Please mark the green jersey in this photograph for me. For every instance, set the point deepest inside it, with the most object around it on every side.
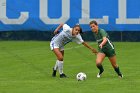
(108, 48)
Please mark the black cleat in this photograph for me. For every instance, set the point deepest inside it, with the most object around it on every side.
(54, 73)
(63, 76)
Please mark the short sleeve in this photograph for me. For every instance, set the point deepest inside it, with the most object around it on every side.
(103, 33)
(78, 39)
(66, 27)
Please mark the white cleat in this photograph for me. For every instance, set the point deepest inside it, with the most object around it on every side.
(98, 75)
(121, 76)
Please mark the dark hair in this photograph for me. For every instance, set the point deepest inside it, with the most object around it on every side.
(93, 22)
(77, 25)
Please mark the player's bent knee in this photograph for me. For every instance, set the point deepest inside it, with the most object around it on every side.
(114, 65)
(98, 63)
(60, 58)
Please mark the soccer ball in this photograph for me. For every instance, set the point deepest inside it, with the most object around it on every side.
(81, 76)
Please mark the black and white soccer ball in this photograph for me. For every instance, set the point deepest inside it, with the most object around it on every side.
(81, 76)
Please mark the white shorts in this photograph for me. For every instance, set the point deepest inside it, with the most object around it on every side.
(53, 46)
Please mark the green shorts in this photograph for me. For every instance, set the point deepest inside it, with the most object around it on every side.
(109, 52)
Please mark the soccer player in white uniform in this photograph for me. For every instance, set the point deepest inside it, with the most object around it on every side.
(60, 40)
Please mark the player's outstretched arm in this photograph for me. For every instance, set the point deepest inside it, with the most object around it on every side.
(58, 28)
(89, 47)
(103, 42)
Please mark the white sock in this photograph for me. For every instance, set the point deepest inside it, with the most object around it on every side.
(56, 65)
(60, 66)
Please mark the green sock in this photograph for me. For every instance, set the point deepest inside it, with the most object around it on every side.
(100, 67)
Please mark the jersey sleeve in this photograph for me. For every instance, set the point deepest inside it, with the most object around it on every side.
(66, 27)
(103, 33)
(78, 39)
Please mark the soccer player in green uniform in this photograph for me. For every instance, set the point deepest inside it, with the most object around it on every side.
(105, 48)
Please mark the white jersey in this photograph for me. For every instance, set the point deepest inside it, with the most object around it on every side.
(64, 37)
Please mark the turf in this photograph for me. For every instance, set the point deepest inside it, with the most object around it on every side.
(26, 67)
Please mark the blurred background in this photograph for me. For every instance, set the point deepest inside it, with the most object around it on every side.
(37, 19)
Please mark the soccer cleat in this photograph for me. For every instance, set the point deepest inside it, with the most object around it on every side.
(54, 73)
(98, 75)
(63, 75)
(120, 75)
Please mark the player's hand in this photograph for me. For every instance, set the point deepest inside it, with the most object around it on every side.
(101, 46)
(94, 51)
(55, 32)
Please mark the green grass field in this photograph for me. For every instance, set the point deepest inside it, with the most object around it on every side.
(26, 67)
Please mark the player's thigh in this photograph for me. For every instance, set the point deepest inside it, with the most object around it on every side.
(100, 58)
(58, 53)
(62, 52)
